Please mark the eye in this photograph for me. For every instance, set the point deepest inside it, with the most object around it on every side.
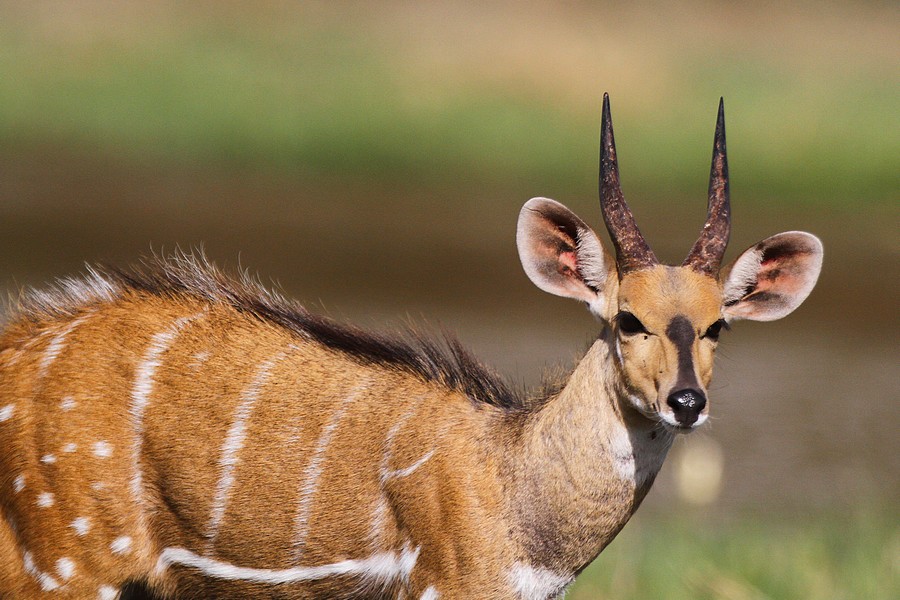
(715, 329)
(629, 324)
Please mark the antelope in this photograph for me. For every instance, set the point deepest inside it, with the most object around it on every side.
(203, 436)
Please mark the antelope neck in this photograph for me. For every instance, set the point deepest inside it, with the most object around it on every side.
(584, 463)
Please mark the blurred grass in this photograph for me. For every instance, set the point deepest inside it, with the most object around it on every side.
(467, 93)
(835, 558)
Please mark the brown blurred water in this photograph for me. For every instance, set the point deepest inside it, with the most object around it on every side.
(805, 410)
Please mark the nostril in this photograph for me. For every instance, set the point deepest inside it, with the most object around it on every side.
(687, 405)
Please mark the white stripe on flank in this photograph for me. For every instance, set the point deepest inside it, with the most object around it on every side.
(234, 441)
(314, 470)
(56, 345)
(384, 566)
(430, 594)
(393, 474)
(379, 515)
(389, 440)
(140, 398)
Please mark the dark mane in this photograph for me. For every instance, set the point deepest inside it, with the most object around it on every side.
(441, 359)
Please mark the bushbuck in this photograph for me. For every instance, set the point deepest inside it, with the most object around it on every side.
(203, 436)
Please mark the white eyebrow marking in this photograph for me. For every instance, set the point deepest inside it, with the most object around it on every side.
(234, 441)
(56, 345)
(45, 499)
(6, 412)
(81, 525)
(121, 545)
(384, 566)
(314, 470)
(140, 398)
(103, 449)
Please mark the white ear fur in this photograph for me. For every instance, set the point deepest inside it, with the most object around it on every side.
(561, 254)
(772, 278)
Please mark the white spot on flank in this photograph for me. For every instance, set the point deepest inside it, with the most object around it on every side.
(19, 483)
(200, 358)
(67, 403)
(536, 583)
(234, 441)
(98, 486)
(48, 459)
(6, 412)
(430, 594)
(47, 582)
(140, 398)
(81, 525)
(103, 449)
(107, 593)
(381, 567)
(70, 448)
(314, 470)
(121, 545)
(45, 499)
(66, 568)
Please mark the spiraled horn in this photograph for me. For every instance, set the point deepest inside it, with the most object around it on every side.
(632, 251)
(706, 255)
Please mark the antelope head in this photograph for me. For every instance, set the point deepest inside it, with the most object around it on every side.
(663, 322)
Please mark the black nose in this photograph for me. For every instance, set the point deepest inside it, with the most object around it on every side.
(687, 405)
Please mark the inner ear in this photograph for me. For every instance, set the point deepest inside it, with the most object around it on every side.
(559, 252)
(769, 280)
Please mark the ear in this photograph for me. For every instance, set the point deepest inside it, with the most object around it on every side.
(561, 253)
(769, 280)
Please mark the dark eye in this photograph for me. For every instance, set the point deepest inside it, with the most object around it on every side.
(629, 324)
(715, 329)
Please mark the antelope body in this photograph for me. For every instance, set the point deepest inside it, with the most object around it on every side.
(208, 438)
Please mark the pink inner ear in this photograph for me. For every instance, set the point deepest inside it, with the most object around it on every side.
(783, 274)
(568, 264)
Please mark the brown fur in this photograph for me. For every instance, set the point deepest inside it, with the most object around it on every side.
(225, 435)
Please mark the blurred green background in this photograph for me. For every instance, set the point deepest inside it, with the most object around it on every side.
(372, 159)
